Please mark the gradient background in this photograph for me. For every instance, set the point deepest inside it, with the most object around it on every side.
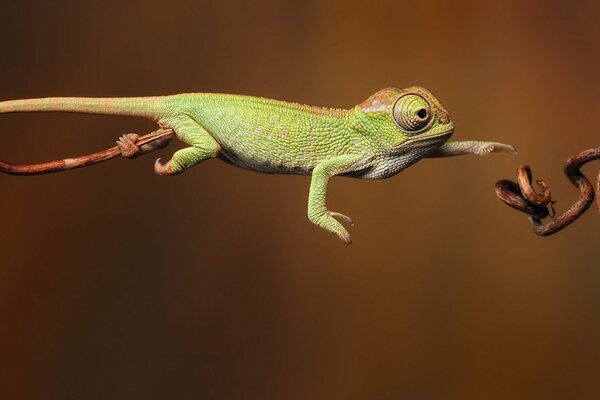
(116, 283)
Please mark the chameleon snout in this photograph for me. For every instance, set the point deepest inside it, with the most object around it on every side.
(443, 116)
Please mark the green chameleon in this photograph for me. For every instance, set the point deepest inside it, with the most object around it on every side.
(378, 138)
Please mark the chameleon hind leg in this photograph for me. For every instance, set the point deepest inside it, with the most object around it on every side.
(317, 197)
(202, 147)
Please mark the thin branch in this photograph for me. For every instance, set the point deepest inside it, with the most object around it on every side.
(146, 143)
(522, 197)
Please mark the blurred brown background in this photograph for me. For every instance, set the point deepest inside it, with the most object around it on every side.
(116, 283)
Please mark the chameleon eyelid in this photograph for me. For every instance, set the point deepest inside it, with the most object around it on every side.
(429, 114)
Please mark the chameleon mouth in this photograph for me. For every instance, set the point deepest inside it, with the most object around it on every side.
(428, 140)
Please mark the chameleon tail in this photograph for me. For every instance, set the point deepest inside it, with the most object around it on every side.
(148, 107)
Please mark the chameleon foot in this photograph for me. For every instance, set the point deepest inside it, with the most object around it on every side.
(345, 236)
(491, 147)
(344, 219)
(163, 169)
(127, 146)
(332, 222)
(452, 149)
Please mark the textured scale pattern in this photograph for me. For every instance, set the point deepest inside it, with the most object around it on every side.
(275, 137)
(389, 131)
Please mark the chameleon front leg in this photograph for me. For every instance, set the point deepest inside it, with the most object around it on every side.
(452, 149)
(202, 147)
(317, 197)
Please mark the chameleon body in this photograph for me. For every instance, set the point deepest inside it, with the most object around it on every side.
(378, 138)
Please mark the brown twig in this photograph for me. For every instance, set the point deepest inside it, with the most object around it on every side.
(146, 143)
(522, 197)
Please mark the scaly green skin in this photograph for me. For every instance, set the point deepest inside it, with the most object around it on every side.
(371, 141)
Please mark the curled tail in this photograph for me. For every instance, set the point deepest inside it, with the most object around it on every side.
(149, 107)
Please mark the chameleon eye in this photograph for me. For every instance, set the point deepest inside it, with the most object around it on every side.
(412, 113)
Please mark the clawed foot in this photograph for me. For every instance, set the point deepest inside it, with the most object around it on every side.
(332, 222)
(345, 236)
(344, 219)
(126, 144)
(452, 149)
(491, 147)
(163, 169)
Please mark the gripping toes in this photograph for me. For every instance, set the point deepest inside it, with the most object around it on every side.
(127, 146)
(163, 169)
(344, 219)
(483, 148)
(331, 222)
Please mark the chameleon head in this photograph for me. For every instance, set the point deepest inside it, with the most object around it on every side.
(410, 124)
(420, 115)
(409, 118)
(421, 119)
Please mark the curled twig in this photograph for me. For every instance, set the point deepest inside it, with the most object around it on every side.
(522, 197)
(146, 143)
